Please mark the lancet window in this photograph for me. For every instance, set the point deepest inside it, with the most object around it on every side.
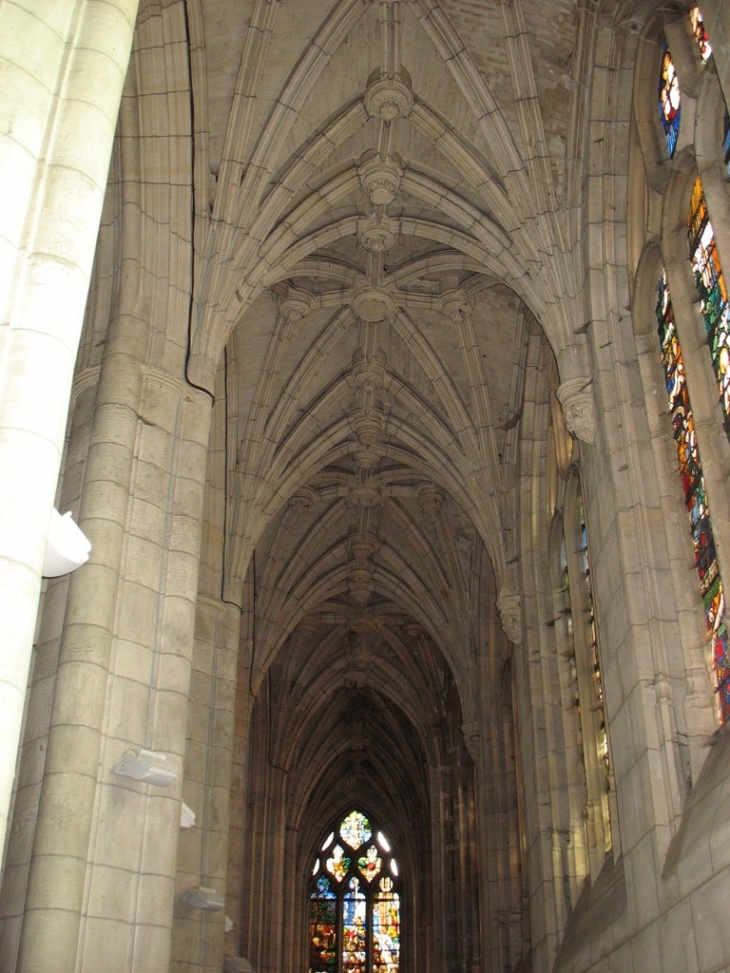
(354, 901)
(712, 290)
(695, 493)
(669, 100)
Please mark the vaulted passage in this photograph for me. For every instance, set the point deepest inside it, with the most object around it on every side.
(380, 351)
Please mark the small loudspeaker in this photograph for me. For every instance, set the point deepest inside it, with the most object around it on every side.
(203, 898)
(146, 766)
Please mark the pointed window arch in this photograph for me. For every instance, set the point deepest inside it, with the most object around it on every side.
(354, 901)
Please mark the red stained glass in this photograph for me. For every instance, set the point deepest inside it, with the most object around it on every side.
(355, 916)
(695, 494)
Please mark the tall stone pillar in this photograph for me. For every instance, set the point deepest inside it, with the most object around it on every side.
(198, 936)
(101, 887)
(62, 66)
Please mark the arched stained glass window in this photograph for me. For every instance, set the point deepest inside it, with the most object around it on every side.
(695, 494)
(354, 902)
(713, 293)
(669, 98)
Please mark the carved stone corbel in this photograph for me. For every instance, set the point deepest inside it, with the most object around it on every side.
(509, 607)
(576, 400)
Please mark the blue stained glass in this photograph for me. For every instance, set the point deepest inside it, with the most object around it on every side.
(669, 99)
(355, 829)
(354, 912)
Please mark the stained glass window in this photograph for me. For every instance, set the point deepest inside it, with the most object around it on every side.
(669, 99)
(726, 141)
(695, 493)
(713, 294)
(700, 33)
(354, 908)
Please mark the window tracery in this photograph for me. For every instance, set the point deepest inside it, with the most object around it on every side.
(354, 901)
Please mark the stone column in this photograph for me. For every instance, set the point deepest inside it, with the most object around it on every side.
(63, 66)
(101, 888)
(203, 853)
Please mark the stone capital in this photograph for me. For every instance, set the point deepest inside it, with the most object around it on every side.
(509, 606)
(576, 400)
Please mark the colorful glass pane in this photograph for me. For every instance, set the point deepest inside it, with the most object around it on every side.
(339, 863)
(354, 916)
(713, 294)
(669, 98)
(370, 864)
(693, 484)
(354, 929)
(703, 41)
(386, 929)
(355, 829)
(324, 888)
(323, 935)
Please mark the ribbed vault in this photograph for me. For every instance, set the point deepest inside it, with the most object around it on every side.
(390, 215)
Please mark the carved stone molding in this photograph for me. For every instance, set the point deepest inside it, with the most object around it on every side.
(576, 400)
(369, 374)
(472, 739)
(364, 496)
(378, 235)
(430, 498)
(363, 545)
(455, 305)
(303, 499)
(373, 304)
(380, 180)
(369, 426)
(388, 99)
(297, 304)
(509, 607)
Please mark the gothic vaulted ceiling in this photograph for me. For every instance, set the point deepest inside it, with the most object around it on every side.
(388, 207)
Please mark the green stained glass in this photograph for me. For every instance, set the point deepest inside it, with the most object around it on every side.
(354, 907)
(713, 294)
(339, 863)
(355, 829)
(323, 936)
(695, 494)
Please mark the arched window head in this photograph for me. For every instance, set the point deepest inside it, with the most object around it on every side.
(669, 99)
(354, 901)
